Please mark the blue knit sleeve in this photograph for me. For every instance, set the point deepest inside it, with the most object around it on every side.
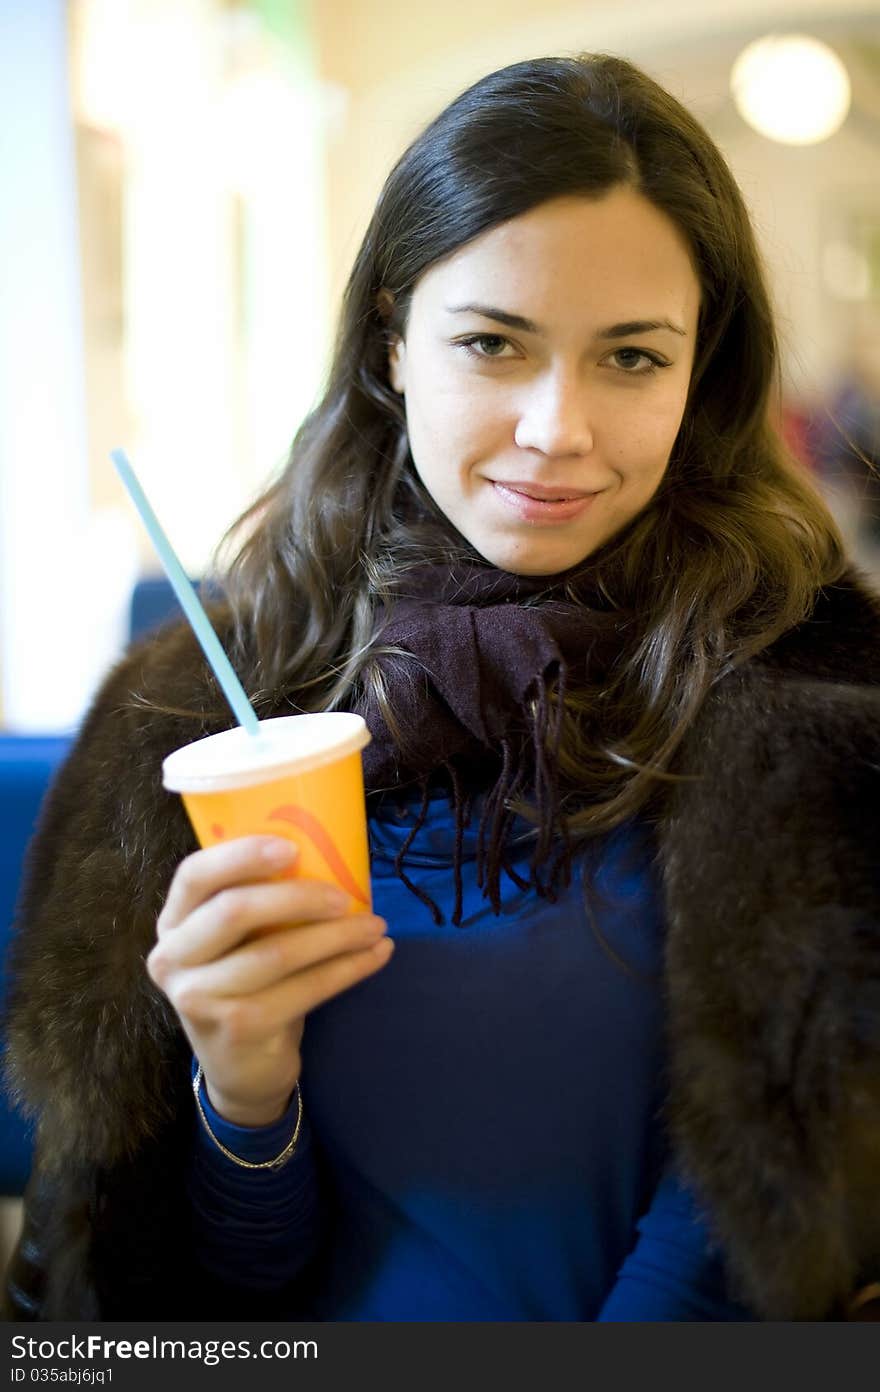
(253, 1228)
(672, 1273)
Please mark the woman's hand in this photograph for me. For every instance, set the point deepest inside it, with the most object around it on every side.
(240, 982)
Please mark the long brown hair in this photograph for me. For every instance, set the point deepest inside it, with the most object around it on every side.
(727, 556)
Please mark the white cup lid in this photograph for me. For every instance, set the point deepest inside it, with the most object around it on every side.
(288, 744)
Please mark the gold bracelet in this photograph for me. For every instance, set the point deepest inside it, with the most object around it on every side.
(279, 1160)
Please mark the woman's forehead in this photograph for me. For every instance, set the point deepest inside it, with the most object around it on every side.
(619, 256)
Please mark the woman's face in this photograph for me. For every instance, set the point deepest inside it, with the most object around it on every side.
(523, 367)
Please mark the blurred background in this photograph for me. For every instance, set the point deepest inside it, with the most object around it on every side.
(183, 187)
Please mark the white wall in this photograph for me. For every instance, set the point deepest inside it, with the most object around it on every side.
(58, 620)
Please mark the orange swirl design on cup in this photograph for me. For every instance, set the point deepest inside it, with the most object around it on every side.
(323, 842)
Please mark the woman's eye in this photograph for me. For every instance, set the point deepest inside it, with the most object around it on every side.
(632, 362)
(490, 345)
(630, 367)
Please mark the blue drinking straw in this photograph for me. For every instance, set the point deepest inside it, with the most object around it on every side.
(189, 600)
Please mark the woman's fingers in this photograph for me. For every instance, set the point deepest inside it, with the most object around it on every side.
(246, 1018)
(264, 961)
(248, 956)
(235, 913)
(205, 872)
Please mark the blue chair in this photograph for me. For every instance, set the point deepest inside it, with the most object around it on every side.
(28, 764)
(154, 603)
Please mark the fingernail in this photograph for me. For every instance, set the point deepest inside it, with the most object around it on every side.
(337, 898)
(280, 852)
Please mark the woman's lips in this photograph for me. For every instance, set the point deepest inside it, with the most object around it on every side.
(540, 509)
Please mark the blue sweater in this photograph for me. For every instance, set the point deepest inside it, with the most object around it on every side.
(483, 1114)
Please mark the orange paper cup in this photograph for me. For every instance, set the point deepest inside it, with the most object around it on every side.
(301, 778)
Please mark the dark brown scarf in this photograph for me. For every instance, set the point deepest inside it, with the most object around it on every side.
(470, 696)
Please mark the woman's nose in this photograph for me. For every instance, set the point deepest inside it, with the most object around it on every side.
(554, 417)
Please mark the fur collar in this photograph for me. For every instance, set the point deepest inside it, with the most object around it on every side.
(773, 962)
(768, 860)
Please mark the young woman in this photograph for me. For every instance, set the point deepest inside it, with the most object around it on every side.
(622, 792)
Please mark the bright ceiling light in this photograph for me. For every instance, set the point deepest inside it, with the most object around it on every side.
(791, 88)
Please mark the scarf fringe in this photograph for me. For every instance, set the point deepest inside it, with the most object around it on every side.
(497, 817)
(398, 859)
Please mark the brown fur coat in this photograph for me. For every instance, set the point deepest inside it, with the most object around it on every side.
(770, 864)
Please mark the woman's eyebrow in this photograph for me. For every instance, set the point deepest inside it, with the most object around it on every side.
(516, 321)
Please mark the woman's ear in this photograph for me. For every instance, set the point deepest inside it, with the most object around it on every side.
(396, 365)
(396, 346)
